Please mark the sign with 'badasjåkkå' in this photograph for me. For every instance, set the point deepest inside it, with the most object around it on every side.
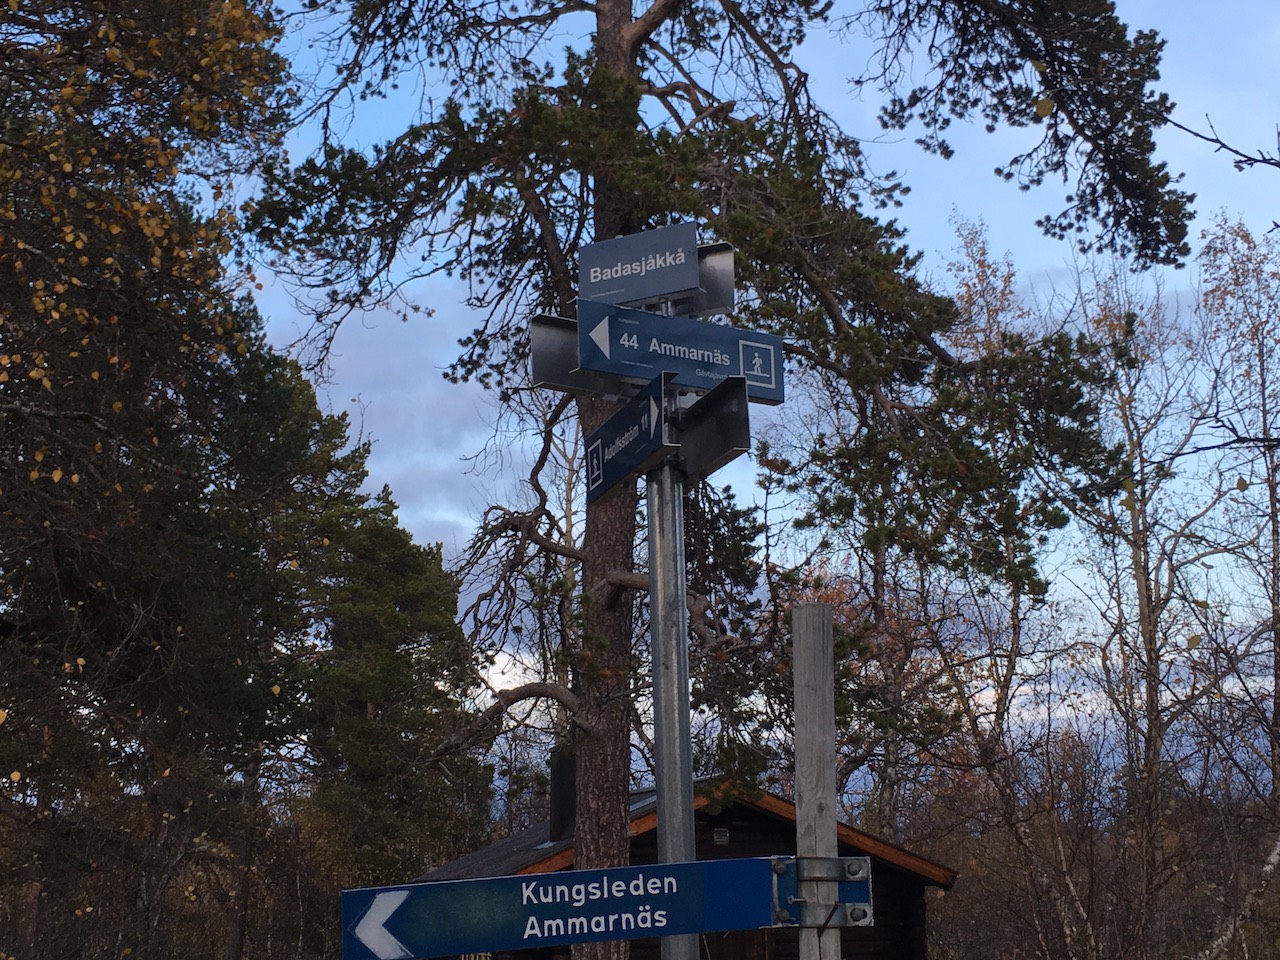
(640, 266)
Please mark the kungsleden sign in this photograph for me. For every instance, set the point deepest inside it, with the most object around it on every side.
(579, 906)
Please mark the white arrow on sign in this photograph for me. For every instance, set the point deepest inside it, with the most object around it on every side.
(601, 337)
(371, 932)
(653, 416)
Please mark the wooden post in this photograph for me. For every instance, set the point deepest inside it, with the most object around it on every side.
(813, 657)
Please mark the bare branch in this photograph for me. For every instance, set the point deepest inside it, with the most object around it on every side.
(505, 700)
(644, 26)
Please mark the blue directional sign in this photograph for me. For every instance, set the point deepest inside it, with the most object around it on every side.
(632, 441)
(638, 346)
(577, 906)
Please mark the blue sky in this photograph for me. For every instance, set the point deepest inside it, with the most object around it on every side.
(1219, 66)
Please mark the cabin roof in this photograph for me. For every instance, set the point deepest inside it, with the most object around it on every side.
(529, 851)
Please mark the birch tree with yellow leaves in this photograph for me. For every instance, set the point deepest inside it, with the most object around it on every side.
(126, 604)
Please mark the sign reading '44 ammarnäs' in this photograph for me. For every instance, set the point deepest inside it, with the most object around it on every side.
(639, 346)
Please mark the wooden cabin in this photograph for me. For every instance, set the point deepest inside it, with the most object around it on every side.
(751, 825)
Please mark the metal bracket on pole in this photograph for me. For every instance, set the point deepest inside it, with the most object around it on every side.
(833, 868)
(822, 916)
(804, 889)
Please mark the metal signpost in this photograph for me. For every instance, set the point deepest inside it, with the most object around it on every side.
(669, 656)
(654, 362)
(730, 366)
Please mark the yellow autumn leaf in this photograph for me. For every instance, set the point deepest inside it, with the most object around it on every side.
(15, 776)
(56, 475)
(1044, 107)
(1242, 484)
(275, 688)
(4, 715)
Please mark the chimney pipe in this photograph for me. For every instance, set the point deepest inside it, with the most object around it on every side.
(564, 793)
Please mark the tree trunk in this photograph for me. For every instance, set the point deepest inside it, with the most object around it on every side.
(606, 661)
(235, 932)
(604, 670)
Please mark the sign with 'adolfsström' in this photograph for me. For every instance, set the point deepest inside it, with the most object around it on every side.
(631, 441)
(577, 906)
(641, 266)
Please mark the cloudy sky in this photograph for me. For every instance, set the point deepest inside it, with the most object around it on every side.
(1219, 66)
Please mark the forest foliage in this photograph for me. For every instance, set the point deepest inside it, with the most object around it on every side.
(210, 638)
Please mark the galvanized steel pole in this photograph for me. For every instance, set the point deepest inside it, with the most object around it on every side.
(669, 636)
